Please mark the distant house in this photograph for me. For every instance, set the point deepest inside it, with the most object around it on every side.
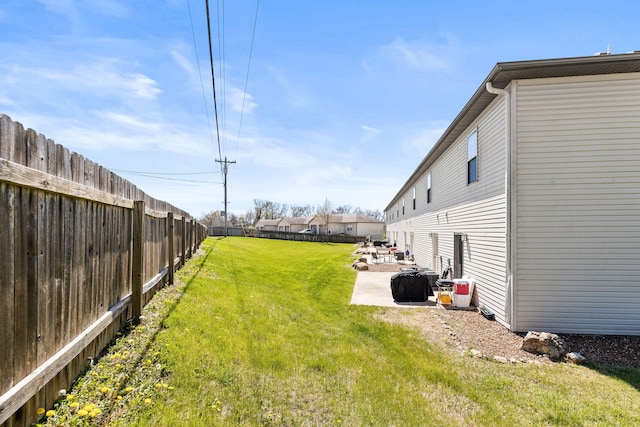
(351, 224)
(295, 224)
(534, 191)
(268, 224)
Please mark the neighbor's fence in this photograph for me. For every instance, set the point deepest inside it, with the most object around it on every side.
(230, 231)
(81, 251)
(307, 237)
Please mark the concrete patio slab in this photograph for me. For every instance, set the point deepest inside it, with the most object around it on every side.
(374, 288)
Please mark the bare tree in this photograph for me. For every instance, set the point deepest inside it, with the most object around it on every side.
(213, 219)
(266, 209)
(343, 209)
(248, 218)
(258, 209)
(324, 211)
(375, 214)
(300, 210)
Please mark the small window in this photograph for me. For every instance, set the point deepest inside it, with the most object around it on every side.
(403, 206)
(472, 157)
(414, 198)
(429, 187)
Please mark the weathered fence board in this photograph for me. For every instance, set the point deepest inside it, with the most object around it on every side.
(66, 264)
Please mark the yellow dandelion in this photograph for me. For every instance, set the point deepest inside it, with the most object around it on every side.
(83, 412)
(105, 390)
(50, 413)
(171, 387)
(147, 400)
(40, 411)
(158, 385)
(119, 397)
(128, 389)
(118, 333)
(148, 362)
(70, 396)
(165, 385)
(118, 365)
(74, 404)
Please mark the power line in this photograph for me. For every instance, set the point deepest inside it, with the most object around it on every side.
(170, 179)
(222, 67)
(246, 80)
(195, 46)
(161, 173)
(213, 79)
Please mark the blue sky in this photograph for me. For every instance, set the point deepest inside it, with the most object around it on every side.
(343, 99)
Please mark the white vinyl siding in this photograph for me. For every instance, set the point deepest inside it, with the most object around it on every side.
(577, 211)
(477, 211)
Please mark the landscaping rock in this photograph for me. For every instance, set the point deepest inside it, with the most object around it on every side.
(360, 266)
(575, 358)
(544, 343)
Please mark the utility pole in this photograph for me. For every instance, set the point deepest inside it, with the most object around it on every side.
(225, 162)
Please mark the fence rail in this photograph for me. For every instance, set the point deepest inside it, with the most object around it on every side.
(81, 251)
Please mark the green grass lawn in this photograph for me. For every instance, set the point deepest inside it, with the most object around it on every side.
(264, 335)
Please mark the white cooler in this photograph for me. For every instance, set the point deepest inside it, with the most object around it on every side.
(463, 300)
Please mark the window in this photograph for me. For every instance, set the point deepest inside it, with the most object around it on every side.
(472, 157)
(403, 206)
(414, 198)
(429, 187)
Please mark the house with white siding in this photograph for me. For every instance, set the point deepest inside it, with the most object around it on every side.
(534, 191)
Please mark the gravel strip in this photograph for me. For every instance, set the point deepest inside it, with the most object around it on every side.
(466, 330)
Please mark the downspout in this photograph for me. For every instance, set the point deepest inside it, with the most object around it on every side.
(507, 187)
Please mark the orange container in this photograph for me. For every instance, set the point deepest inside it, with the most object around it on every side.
(444, 298)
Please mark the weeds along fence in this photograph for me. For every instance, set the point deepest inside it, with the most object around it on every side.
(81, 251)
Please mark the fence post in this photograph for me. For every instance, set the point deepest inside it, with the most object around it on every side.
(170, 248)
(183, 240)
(138, 261)
(192, 237)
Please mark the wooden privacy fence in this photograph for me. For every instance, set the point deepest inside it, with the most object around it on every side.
(81, 251)
(307, 237)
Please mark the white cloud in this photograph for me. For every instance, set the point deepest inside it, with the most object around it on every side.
(369, 129)
(369, 132)
(423, 140)
(103, 77)
(239, 101)
(183, 61)
(294, 94)
(413, 56)
(109, 7)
